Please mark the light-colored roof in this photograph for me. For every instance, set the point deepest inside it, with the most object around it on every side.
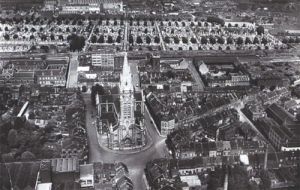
(86, 171)
(44, 186)
(191, 180)
(65, 164)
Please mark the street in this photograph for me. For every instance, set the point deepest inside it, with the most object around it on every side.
(72, 73)
(136, 162)
(135, 74)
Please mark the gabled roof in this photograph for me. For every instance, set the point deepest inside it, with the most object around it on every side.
(65, 165)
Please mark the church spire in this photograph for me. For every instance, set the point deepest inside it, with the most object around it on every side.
(126, 76)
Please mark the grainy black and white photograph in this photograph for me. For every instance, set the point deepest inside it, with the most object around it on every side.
(149, 95)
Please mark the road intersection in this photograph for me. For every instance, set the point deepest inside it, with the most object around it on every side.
(136, 161)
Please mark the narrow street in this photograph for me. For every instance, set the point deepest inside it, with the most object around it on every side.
(136, 162)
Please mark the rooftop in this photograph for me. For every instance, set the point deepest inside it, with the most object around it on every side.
(65, 165)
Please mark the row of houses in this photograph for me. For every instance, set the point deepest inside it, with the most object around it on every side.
(218, 148)
(30, 72)
(64, 174)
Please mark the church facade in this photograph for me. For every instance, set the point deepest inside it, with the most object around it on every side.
(121, 114)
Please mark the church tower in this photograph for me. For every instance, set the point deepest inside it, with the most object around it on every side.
(127, 119)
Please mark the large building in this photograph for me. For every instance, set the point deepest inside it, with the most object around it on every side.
(285, 135)
(51, 77)
(20, 3)
(121, 114)
(89, 6)
(105, 61)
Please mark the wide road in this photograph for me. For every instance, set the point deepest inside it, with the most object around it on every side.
(135, 74)
(136, 162)
(72, 73)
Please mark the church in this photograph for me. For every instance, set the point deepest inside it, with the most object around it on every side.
(121, 114)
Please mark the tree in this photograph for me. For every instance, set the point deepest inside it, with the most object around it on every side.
(167, 39)
(52, 37)
(84, 88)
(6, 37)
(238, 178)
(285, 40)
(33, 48)
(77, 43)
(264, 41)
(170, 74)
(45, 48)
(203, 40)
(266, 182)
(130, 39)
(118, 40)
(12, 138)
(139, 40)
(79, 22)
(101, 39)
(43, 37)
(193, 40)
(176, 40)
(27, 156)
(260, 30)
(247, 40)
(212, 39)
(255, 40)
(184, 40)
(93, 39)
(157, 39)
(97, 89)
(240, 41)
(148, 40)
(221, 40)
(15, 36)
(291, 40)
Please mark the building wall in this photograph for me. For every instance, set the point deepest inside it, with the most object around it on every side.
(51, 80)
(105, 61)
(167, 127)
